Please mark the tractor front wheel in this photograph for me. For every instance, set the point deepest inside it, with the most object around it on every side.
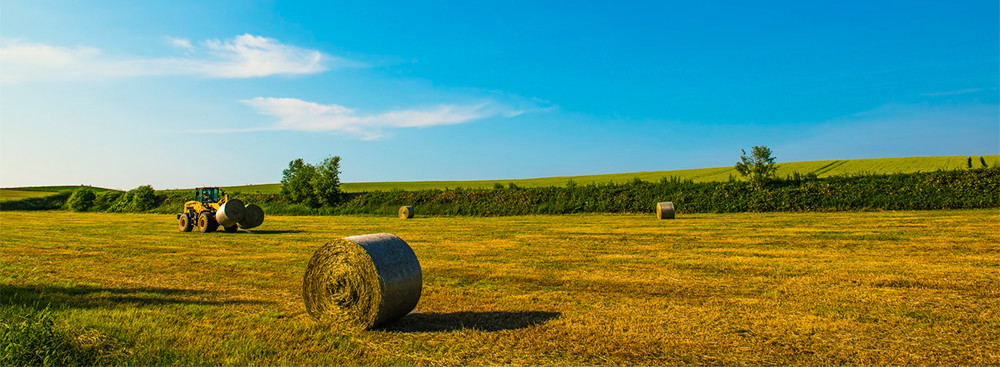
(207, 223)
(185, 223)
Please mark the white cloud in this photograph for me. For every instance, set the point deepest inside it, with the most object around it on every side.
(296, 114)
(182, 43)
(244, 56)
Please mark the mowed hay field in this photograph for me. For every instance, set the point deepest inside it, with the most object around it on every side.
(785, 288)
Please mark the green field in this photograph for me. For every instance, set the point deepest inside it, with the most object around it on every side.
(820, 168)
(14, 194)
(18, 193)
(876, 288)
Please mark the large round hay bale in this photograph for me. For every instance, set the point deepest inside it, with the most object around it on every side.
(665, 210)
(253, 218)
(406, 212)
(361, 282)
(230, 213)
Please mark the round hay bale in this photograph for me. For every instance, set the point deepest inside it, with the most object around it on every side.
(361, 282)
(665, 210)
(253, 218)
(230, 213)
(406, 212)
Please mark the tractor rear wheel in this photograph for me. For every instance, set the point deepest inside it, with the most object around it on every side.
(206, 223)
(185, 223)
(232, 229)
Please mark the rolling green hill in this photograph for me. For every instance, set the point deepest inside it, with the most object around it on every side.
(18, 193)
(820, 168)
(12, 194)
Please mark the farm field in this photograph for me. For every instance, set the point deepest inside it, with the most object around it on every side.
(18, 193)
(820, 168)
(14, 194)
(901, 288)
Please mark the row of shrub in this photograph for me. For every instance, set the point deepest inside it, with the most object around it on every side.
(978, 188)
(975, 188)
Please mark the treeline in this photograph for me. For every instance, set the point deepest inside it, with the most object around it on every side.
(958, 189)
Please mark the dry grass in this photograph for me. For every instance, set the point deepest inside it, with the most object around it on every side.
(800, 289)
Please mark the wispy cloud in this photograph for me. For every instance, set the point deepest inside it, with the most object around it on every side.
(181, 43)
(298, 115)
(243, 56)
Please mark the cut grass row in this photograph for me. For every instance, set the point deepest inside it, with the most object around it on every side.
(876, 288)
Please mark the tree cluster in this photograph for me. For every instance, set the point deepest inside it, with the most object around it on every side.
(312, 185)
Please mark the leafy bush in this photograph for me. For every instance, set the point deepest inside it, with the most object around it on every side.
(975, 188)
(104, 199)
(139, 199)
(81, 199)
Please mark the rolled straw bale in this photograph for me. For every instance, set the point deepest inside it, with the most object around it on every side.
(665, 210)
(253, 218)
(406, 212)
(230, 213)
(360, 282)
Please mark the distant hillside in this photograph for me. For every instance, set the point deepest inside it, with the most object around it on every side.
(18, 193)
(820, 168)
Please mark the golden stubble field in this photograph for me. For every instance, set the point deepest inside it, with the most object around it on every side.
(786, 288)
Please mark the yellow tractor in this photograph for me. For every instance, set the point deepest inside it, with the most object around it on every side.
(203, 210)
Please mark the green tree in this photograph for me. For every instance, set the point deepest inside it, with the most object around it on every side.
(325, 182)
(81, 199)
(759, 167)
(296, 183)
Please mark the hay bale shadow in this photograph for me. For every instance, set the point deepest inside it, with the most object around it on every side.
(482, 321)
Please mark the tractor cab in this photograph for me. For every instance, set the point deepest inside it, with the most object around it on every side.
(207, 195)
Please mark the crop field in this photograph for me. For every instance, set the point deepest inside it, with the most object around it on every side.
(900, 288)
(18, 193)
(14, 194)
(820, 168)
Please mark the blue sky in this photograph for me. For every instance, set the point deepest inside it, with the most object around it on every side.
(178, 94)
